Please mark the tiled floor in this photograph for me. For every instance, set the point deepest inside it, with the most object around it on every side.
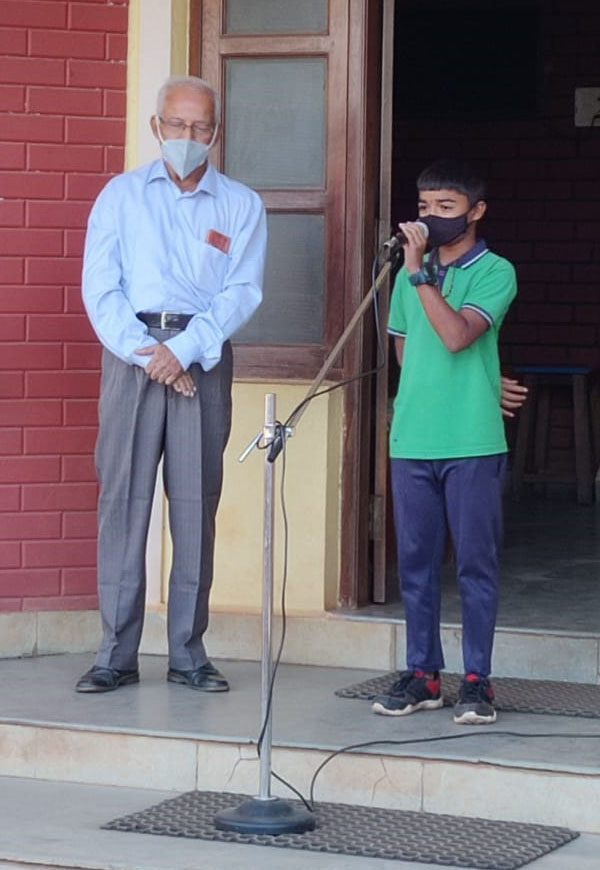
(550, 569)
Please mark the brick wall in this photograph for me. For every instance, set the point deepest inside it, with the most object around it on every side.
(62, 92)
(544, 198)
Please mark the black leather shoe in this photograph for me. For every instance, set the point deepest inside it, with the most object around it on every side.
(204, 679)
(106, 679)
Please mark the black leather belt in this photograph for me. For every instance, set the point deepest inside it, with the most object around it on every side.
(164, 319)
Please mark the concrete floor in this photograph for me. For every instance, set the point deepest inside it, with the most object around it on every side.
(550, 575)
(66, 834)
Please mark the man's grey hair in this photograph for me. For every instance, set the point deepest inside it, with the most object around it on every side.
(187, 82)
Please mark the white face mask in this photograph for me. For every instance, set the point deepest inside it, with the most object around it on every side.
(185, 155)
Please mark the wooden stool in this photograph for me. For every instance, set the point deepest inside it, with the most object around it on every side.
(535, 417)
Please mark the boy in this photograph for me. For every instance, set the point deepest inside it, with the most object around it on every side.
(447, 442)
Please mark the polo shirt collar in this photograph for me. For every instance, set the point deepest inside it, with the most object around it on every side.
(465, 260)
(207, 184)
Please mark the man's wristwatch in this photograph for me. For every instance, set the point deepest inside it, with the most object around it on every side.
(425, 275)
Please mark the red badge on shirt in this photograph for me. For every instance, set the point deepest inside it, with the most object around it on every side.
(218, 240)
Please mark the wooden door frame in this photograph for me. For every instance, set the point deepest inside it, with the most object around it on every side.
(352, 185)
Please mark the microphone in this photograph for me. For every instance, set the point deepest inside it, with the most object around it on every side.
(399, 239)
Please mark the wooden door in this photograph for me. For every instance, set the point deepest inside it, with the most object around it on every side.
(300, 84)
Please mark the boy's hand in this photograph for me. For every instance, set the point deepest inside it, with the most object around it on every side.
(414, 249)
(512, 396)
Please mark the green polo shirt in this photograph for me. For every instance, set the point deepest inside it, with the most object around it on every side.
(448, 404)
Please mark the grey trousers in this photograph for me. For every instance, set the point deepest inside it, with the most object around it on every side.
(140, 421)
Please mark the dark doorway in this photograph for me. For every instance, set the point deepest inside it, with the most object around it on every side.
(496, 83)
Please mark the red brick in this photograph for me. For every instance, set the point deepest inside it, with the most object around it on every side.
(541, 148)
(81, 186)
(20, 526)
(64, 43)
(116, 46)
(80, 524)
(74, 241)
(12, 386)
(60, 327)
(64, 101)
(33, 469)
(567, 334)
(11, 442)
(115, 159)
(59, 497)
(544, 190)
(58, 270)
(32, 185)
(48, 554)
(553, 273)
(587, 313)
(573, 293)
(78, 469)
(61, 214)
(66, 602)
(24, 70)
(106, 19)
(13, 41)
(32, 14)
(26, 241)
(10, 555)
(12, 156)
(10, 498)
(12, 271)
(79, 581)
(563, 252)
(30, 356)
(90, 131)
(587, 273)
(12, 214)
(96, 73)
(59, 440)
(74, 302)
(26, 299)
(44, 412)
(83, 356)
(27, 583)
(12, 98)
(115, 103)
(64, 384)
(545, 313)
(12, 328)
(11, 605)
(84, 158)
(546, 230)
(81, 412)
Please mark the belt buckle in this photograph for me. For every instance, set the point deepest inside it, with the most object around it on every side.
(164, 316)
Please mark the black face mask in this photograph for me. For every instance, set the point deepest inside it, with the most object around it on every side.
(443, 230)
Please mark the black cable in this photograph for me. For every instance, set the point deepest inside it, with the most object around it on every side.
(440, 739)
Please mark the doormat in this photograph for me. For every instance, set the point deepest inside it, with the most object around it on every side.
(363, 832)
(518, 696)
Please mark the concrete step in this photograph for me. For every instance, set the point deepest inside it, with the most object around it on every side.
(160, 736)
(57, 825)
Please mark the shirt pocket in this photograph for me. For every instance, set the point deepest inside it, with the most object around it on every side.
(210, 266)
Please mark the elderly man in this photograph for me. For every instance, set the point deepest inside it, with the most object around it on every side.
(173, 267)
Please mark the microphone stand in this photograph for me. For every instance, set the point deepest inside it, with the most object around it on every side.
(266, 814)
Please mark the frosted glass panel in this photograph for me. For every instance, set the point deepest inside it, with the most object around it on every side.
(275, 121)
(292, 308)
(276, 16)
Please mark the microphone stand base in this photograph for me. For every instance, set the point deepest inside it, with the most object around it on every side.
(271, 816)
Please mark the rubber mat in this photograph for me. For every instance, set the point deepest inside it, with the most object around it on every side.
(518, 696)
(364, 832)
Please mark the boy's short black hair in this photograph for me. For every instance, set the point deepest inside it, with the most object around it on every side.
(453, 175)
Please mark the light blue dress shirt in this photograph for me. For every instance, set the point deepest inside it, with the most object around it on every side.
(148, 248)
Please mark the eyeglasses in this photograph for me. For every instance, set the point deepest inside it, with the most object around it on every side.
(178, 127)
